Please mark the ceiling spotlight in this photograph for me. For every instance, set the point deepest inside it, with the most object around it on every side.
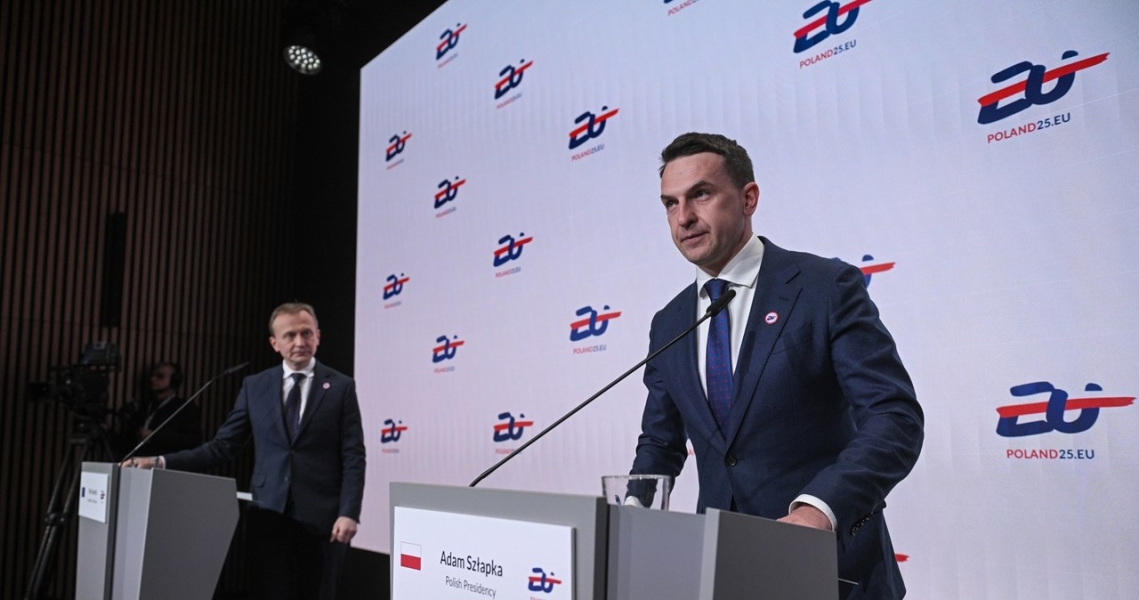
(302, 59)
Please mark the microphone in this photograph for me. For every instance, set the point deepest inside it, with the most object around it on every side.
(228, 371)
(716, 307)
(712, 311)
(232, 370)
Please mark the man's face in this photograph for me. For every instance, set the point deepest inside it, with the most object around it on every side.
(160, 378)
(295, 338)
(710, 217)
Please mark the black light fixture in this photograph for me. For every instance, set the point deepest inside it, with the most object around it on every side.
(310, 30)
(333, 34)
(301, 50)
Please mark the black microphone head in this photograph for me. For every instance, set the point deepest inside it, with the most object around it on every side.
(233, 370)
(721, 302)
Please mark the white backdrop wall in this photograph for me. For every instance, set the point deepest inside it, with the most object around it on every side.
(1000, 243)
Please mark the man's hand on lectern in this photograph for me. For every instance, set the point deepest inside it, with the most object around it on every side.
(141, 462)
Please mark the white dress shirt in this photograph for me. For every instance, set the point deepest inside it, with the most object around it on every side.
(741, 273)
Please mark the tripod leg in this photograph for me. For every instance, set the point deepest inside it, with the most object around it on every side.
(52, 524)
(56, 521)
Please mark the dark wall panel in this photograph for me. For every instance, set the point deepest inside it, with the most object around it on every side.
(180, 115)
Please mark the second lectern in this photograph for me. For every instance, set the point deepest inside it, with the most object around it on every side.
(163, 534)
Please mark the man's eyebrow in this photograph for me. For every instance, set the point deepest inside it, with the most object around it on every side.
(698, 184)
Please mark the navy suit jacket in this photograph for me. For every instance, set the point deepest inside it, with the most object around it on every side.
(322, 471)
(822, 406)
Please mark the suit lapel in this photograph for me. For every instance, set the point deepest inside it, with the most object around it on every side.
(272, 389)
(774, 294)
(687, 361)
(316, 393)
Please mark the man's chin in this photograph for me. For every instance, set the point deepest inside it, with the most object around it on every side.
(693, 247)
(692, 255)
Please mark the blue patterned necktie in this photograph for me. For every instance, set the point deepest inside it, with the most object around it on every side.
(718, 360)
(293, 406)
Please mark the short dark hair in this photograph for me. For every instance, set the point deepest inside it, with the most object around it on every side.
(292, 308)
(736, 161)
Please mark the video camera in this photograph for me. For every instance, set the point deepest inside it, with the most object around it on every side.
(82, 386)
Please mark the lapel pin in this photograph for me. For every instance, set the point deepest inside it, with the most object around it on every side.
(326, 385)
(771, 318)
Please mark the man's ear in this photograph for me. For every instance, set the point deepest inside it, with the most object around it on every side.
(751, 198)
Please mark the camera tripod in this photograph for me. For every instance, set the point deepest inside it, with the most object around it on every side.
(88, 442)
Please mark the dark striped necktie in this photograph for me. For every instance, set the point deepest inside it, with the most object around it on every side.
(293, 406)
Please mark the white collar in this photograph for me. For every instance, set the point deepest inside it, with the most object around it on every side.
(307, 370)
(741, 270)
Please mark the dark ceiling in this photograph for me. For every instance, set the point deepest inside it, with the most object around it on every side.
(356, 30)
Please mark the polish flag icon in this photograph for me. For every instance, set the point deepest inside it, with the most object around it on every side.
(410, 555)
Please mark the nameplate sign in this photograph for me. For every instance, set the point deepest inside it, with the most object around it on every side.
(93, 491)
(448, 555)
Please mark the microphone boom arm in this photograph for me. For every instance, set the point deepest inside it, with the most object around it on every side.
(228, 371)
(714, 309)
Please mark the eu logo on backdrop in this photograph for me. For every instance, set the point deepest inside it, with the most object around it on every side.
(450, 39)
(829, 22)
(1031, 89)
(1086, 410)
(593, 324)
(510, 428)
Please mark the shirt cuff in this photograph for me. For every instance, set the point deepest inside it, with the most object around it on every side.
(161, 462)
(817, 503)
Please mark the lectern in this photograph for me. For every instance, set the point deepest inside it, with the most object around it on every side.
(619, 552)
(152, 533)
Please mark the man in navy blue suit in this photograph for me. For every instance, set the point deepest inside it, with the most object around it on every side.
(308, 474)
(795, 399)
